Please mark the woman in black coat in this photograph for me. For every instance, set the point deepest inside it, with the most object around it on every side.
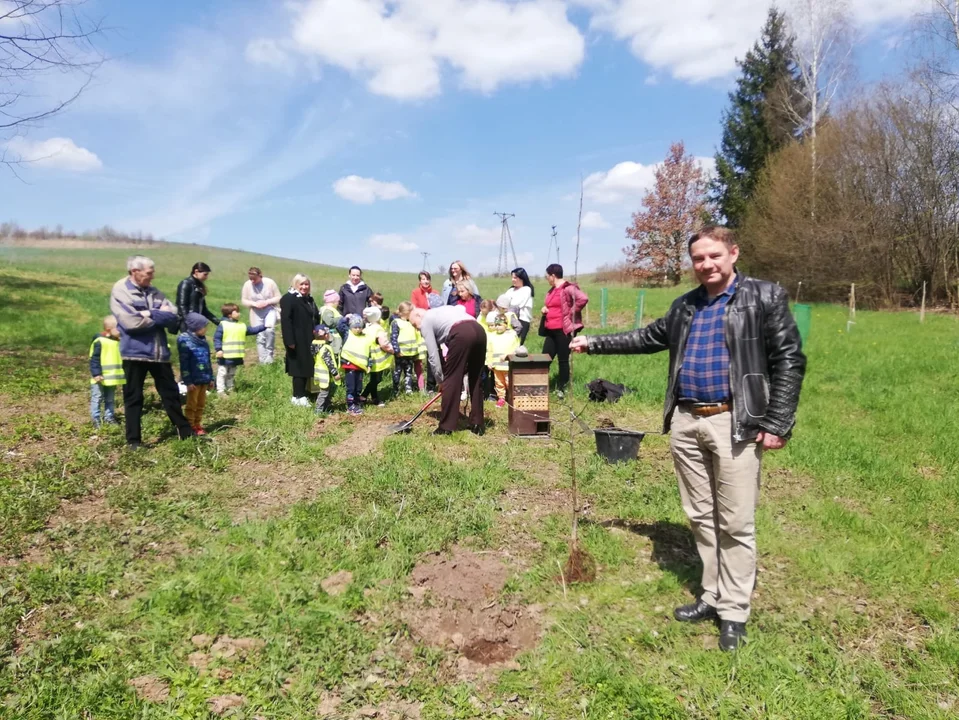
(298, 316)
(191, 294)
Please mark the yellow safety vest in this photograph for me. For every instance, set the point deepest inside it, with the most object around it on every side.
(406, 339)
(499, 346)
(421, 350)
(233, 343)
(379, 359)
(321, 373)
(110, 361)
(356, 351)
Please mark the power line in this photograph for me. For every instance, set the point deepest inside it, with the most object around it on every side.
(426, 261)
(506, 238)
(553, 242)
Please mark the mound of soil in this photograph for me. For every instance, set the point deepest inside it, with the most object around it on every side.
(454, 606)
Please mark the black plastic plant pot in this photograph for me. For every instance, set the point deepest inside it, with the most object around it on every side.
(617, 445)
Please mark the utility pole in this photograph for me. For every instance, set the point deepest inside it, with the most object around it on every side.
(506, 237)
(426, 261)
(553, 242)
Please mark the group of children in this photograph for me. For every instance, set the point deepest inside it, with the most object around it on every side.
(355, 348)
(196, 367)
(346, 350)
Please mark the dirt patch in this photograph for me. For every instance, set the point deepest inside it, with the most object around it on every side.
(337, 583)
(89, 509)
(454, 606)
(365, 439)
(223, 648)
(786, 484)
(150, 688)
(222, 704)
(391, 710)
(266, 489)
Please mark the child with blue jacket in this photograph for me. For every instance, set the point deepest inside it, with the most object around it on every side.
(196, 368)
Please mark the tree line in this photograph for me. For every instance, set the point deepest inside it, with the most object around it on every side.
(827, 182)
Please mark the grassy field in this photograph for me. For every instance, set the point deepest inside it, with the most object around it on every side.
(206, 578)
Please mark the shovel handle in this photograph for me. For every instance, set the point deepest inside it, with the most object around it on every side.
(424, 408)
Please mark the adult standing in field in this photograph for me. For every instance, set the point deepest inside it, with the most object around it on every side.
(262, 296)
(736, 369)
(355, 294)
(562, 318)
(144, 315)
(457, 272)
(465, 341)
(191, 294)
(520, 298)
(420, 297)
(298, 316)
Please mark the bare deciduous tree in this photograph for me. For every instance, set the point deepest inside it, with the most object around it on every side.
(40, 39)
(821, 48)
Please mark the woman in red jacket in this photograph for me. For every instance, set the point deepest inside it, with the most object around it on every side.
(562, 319)
(420, 297)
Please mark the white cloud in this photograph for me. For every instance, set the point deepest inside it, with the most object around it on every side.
(270, 53)
(401, 46)
(56, 153)
(394, 242)
(472, 234)
(593, 220)
(366, 191)
(627, 182)
(698, 40)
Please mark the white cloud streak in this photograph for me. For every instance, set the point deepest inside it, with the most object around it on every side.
(627, 182)
(366, 191)
(57, 153)
(393, 242)
(401, 47)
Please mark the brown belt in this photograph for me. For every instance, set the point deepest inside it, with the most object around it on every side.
(707, 410)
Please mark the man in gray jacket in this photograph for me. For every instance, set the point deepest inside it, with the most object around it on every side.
(735, 371)
(143, 317)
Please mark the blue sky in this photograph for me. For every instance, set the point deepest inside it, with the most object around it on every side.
(369, 131)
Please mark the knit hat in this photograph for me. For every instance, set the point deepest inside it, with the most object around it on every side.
(356, 322)
(331, 296)
(321, 329)
(503, 301)
(372, 315)
(195, 321)
(492, 318)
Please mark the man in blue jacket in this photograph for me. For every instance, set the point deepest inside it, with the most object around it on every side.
(144, 316)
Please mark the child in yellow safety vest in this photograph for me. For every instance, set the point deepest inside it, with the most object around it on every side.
(229, 342)
(501, 342)
(381, 355)
(355, 361)
(406, 350)
(106, 372)
(330, 316)
(326, 372)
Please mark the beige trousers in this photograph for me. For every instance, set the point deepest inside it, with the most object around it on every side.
(719, 487)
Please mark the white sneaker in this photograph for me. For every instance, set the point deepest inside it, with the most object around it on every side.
(303, 402)
(294, 401)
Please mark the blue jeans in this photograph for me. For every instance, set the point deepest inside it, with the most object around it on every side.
(354, 386)
(106, 393)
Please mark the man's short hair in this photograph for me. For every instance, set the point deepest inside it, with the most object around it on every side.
(357, 268)
(714, 232)
(139, 262)
(229, 308)
(256, 270)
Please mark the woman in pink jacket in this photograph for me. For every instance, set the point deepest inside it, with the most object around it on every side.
(562, 319)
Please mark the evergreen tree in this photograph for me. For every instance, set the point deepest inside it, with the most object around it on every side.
(760, 118)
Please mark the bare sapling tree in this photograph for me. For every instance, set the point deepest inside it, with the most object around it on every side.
(42, 42)
(822, 48)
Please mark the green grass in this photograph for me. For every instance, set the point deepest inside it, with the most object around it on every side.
(857, 602)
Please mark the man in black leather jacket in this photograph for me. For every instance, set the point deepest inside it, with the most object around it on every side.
(735, 371)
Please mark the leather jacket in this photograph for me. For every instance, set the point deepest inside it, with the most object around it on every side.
(766, 362)
(191, 297)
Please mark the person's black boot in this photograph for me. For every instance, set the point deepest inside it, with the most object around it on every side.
(695, 612)
(478, 429)
(441, 431)
(731, 635)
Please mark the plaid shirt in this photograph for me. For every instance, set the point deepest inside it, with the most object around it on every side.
(704, 375)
